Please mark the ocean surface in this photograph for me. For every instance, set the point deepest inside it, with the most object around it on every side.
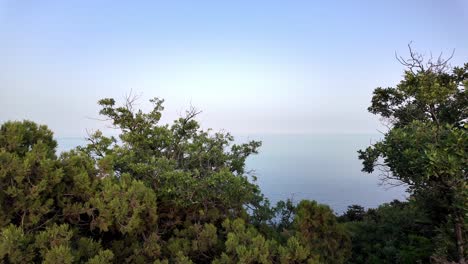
(320, 167)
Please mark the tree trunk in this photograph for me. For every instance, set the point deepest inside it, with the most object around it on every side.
(459, 238)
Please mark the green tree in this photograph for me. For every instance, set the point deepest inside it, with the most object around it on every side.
(28, 174)
(198, 175)
(425, 147)
(317, 227)
(397, 232)
(157, 194)
(354, 213)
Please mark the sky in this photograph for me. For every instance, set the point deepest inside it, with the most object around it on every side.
(252, 67)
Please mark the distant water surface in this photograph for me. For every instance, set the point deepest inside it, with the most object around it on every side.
(324, 168)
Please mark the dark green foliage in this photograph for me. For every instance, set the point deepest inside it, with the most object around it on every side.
(20, 137)
(398, 232)
(28, 174)
(286, 211)
(179, 194)
(426, 94)
(158, 194)
(426, 145)
(316, 226)
(354, 213)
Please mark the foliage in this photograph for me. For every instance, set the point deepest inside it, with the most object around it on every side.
(175, 193)
(398, 232)
(316, 226)
(425, 147)
(157, 194)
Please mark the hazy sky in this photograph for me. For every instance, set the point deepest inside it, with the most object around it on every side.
(251, 66)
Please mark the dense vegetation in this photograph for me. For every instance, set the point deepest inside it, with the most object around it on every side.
(425, 147)
(158, 194)
(180, 194)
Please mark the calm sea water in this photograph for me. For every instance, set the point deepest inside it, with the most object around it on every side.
(324, 168)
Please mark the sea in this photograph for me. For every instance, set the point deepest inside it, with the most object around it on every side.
(321, 167)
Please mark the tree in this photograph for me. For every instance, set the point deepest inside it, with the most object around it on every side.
(425, 147)
(28, 174)
(159, 194)
(354, 213)
(397, 232)
(317, 227)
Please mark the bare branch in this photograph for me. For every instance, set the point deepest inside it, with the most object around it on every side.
(191, 113)
(131, 99)
(98, 119)
(417, 62)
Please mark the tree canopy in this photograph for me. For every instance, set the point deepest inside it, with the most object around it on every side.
(156, 194)
(425, 147)
(177, 193)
